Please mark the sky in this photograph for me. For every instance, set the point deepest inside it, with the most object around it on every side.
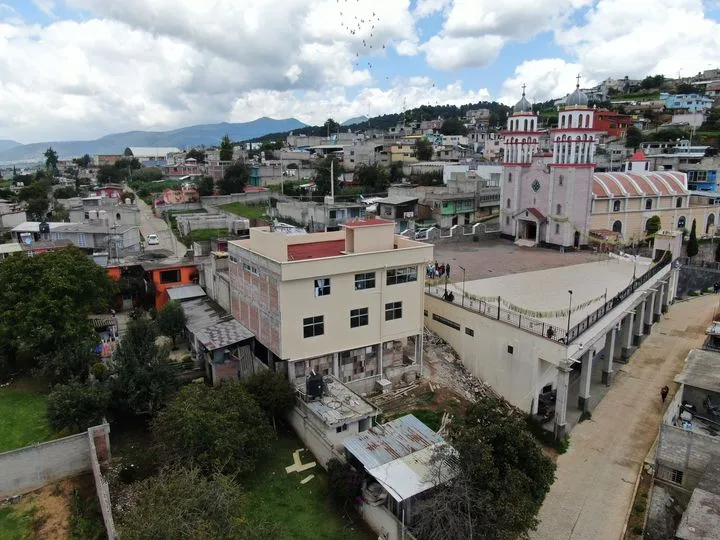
(80, 69)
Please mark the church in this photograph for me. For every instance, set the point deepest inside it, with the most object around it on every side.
(555, 199)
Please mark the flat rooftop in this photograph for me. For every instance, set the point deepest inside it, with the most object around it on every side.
(547, 290)
(339, 405)
(702, 370)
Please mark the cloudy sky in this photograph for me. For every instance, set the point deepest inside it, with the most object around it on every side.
(73, 69)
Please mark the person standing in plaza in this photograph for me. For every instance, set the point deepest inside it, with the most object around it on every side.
(664, 392)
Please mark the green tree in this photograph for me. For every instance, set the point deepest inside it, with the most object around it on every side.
(76, 406)
(652, 82)
(633, 138)
(72, 359)
(686, 88)
(143, 379)
(197, 154)
(226, 149)
(206, 186)
(453, 126)
(344, 484)
(372, 178)
(322, 175)
(51, 160)
(35, 190)
(65, 192)
(500, 478)
(83, 162)
(171, 320)
(396, 170)
(692, 244)
(653, 225)
(109, 174)
(219, 428)
(235, 178)
(184, 504)
(272, 391)
(331, 126)
(44, 304)
(38, 208)
(423, 150)
(128, 164)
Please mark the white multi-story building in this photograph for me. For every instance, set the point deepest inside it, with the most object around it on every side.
(347, 303)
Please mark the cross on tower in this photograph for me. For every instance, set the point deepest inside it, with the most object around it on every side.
(578, 80)
(523, 87)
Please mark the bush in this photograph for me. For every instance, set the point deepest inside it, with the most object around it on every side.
(586, 415)
(546, 437)
(639, 508)
(344, 484)
(77, 406)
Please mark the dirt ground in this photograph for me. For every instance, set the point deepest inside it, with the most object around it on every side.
(52, 506)
(501, 257)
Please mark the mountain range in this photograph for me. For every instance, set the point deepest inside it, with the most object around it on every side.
(204, 134)
(355, 120)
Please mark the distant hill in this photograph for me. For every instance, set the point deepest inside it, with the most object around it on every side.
(356, 120)
(6, 144)
(205, 134)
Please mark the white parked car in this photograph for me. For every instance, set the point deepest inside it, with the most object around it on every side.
(153, 240)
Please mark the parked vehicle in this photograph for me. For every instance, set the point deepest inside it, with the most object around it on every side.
(153, 240)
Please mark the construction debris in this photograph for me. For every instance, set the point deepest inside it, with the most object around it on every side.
(298, 465)
(307, 479)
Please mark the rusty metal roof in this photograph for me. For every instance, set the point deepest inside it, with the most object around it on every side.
(393, 440)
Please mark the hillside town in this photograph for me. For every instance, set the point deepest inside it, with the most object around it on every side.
(345, 331)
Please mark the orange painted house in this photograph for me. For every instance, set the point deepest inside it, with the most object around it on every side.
(160, 276)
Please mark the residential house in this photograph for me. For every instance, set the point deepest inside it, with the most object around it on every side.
(164, 274)
(450, 209)
(11, 215)
(151, 155)
(8, 249)
(688, 102)
(612, 123)
(398, 463)
(478, 116)
(118, 239)
(103, 211)
(106, 159)
(113, 191)
(402, 210)
(317, 217)
(326, 413)
(351, 301)
(366, 153)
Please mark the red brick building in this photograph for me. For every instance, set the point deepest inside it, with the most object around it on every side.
(614, 124)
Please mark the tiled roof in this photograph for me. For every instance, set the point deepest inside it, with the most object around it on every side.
(639, 184)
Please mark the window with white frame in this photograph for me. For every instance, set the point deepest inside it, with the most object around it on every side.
(251, 268)
(393, 311)
(364, 281)
(313, 326)
(359, 317)
(401, 275)
(322, 287)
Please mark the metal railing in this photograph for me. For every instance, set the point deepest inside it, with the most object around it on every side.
(493, 310)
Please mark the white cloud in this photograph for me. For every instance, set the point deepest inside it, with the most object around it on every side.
(425, 8)
(46, 6)
(314, 107)
(545, 79)
(644, 37)
(449, 53)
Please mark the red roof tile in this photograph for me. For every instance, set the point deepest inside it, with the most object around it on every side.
(638, 156)
(316, 250)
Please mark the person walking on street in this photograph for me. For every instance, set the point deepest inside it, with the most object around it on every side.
(664, 392)
(447, 270)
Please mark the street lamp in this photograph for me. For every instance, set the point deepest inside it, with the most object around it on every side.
(463, 285)
(567, 334)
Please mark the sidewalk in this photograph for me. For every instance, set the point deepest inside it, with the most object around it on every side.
(595, 479)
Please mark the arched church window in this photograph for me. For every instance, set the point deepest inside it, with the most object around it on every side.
(678, 202)
(508, 203)
(525, 125)
(681, 222)
(648, 204)
(587, 120)
(558, 210)
(562, 120)
(509, 178)
(617, 226)
(616, 206)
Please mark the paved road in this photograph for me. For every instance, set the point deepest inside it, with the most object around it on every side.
(595, 479)
(149, 224)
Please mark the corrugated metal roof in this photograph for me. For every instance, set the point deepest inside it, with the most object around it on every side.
(185, 292)
(393, 440)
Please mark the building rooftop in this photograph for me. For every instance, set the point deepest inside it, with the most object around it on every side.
(546, 291)
(339, 405)
(203, 313)
(702, 370)
(449, 196)
(11, 247)
(397, 200)
(373, 222)
(186, 292)
(316, 250)
(399, 455)
(701, 519)
(169, 262)
(223, 334)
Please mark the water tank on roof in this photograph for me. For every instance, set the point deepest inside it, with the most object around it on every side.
(314, 386)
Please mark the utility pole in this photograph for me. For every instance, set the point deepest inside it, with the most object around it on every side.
(332, 179)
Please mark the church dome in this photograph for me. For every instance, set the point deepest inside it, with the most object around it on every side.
(522, 106)
(577, 98)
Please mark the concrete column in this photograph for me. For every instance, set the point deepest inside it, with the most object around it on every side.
(666, 296)
(563, 383)
(419, 351)
(649, 307)
(607, 373)
(585, 378)
(659, 302)
(627, 333)
(639, 322)
(380, 360)
(336, 366)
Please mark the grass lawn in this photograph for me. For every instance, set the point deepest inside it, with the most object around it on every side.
(15, 523)
(301, 511)
(208, 234)
(250, 211)
(23, 419)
